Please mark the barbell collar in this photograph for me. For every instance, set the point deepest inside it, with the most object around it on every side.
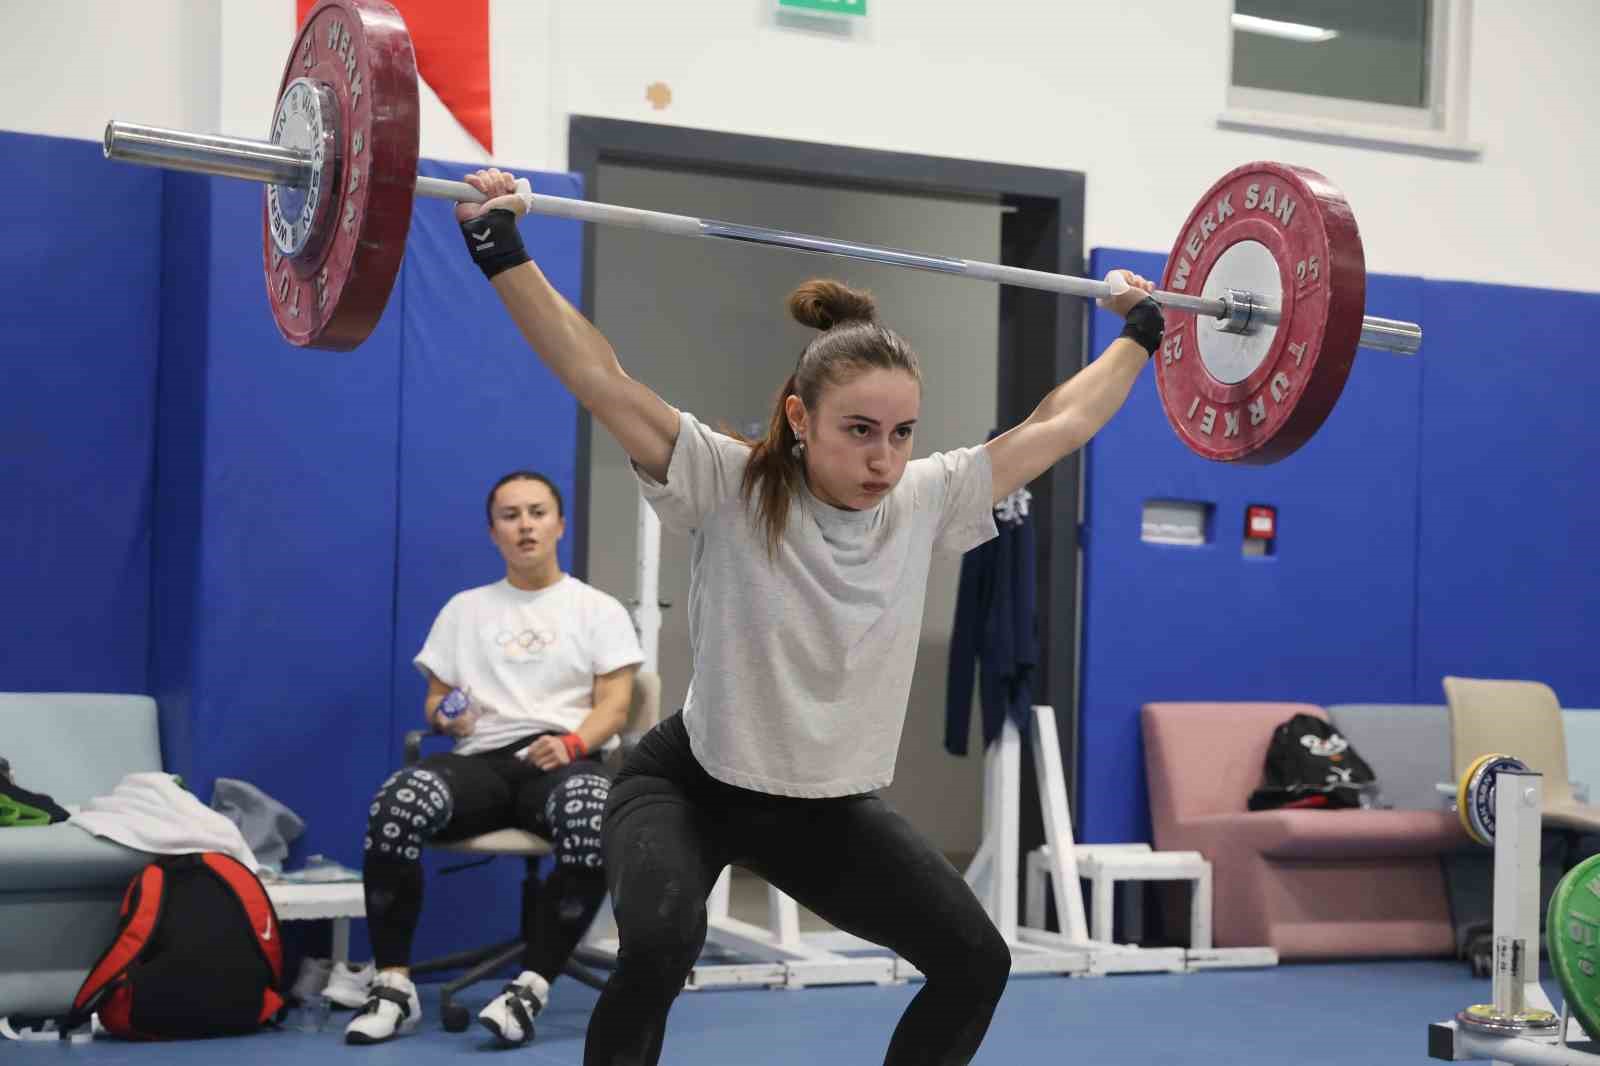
(1242, 312)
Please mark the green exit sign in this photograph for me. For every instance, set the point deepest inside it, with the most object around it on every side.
(824, 7)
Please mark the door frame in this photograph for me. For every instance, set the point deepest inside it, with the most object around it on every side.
(1041, 338)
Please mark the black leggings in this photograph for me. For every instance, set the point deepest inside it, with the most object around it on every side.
(449, 797)
(669, 830)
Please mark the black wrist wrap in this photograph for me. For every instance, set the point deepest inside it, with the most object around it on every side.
(494, 241)
(1145, 325)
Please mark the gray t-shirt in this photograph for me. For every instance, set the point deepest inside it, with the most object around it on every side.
(803, 661)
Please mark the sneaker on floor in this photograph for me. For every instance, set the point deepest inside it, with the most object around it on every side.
(29, 1027)
(510, 1015)
(391, 1010)
(47, 1028)
(312, 979)
(347, 985)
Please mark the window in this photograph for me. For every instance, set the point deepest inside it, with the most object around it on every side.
(1390, 73)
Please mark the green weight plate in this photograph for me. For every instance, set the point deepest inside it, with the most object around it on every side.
(1572, 940)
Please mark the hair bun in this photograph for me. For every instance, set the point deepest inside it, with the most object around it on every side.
(822, 303)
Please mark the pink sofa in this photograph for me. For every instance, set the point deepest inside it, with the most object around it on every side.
(1310, 883)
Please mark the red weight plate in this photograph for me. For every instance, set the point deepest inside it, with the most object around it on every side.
(1258, 399)
(331, 293)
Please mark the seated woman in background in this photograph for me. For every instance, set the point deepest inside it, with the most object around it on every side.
(532, 676)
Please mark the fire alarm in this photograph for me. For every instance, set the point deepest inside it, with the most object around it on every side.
(1260, 523)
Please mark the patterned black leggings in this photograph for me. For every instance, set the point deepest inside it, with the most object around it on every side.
(451, 796)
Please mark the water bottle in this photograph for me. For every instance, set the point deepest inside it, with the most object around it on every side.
(457, 705)
(312, 1015)
(454, 705)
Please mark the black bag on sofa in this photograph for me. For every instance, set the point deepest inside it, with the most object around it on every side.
(1309, 764)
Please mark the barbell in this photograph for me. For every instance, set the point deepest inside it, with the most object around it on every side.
(1263, 291)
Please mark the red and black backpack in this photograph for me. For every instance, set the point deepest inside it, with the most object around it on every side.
(198, 953)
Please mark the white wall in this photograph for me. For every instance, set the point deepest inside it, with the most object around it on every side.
(73, 65)
(1127, 93)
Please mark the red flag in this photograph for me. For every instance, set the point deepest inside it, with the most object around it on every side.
(451, 39)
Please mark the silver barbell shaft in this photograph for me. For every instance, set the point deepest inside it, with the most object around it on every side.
(274, 164)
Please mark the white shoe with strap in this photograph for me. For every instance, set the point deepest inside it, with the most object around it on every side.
(391, 1010)
(509, 1016)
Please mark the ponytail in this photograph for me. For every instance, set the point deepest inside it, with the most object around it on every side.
(774, 474)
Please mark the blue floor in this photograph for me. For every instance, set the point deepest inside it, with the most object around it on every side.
(1371, 1013)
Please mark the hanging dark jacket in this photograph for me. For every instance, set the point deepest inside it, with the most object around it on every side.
(994, 633)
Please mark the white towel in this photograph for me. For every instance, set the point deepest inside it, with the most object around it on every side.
(152, 812)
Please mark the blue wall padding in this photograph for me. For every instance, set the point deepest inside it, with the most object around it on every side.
(1328, 617)
(1510, 489)
(81, 313)
(293, 568)
(179, 513)
(475, 403)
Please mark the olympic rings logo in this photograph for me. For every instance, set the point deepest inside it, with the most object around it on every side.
(526, 644)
